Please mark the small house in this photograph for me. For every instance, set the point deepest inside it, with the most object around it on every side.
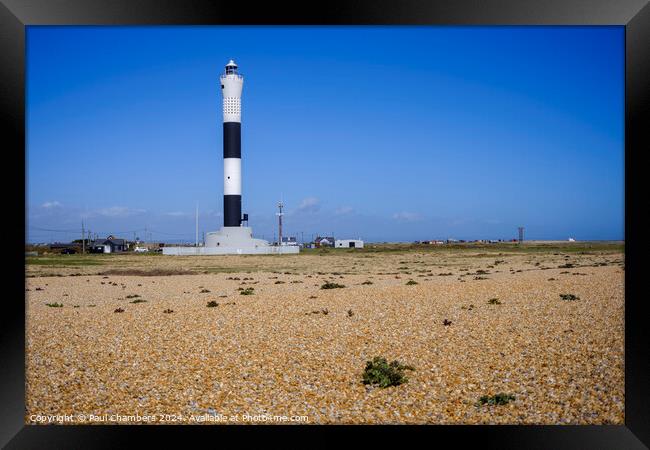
(349, 243)
(108, 245)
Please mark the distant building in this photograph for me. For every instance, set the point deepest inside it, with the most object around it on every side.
(289, 240)
(108, 245)
(324, 241)
(349, 243)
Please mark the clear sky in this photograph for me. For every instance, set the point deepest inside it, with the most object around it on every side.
(383, 133)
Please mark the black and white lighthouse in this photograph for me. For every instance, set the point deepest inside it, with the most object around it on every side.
(235, 236)
(231, 88)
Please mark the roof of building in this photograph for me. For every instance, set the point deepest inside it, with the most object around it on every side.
(108, 242)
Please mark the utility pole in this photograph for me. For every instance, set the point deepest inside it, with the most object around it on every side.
(280, 214)
(196, 237)
(83, 238)
(521, 234)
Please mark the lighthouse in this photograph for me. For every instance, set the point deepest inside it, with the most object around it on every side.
(235, 236)
(231, 88)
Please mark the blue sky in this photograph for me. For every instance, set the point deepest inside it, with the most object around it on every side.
(383, 133)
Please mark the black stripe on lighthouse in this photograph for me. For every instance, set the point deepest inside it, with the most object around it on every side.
(232, 140)
(231, 210)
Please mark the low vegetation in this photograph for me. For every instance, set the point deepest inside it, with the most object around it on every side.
(494, 301)
(247, 291)
(55, 305)
(379, 372)
(330, 285)
(498, 399)
(411, 282)
(212, 304)
(569, 297)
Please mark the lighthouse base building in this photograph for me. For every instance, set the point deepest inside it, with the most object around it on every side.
(233, 238)
(232, 241)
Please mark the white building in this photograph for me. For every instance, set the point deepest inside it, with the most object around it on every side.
(348, 243)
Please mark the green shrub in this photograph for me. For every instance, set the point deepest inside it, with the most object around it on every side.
(569, 297)
(498, 399)
(411, 282)
(380, 372)
(138, 300)
(55, 305)
(247, 291)
(212, 304)
(330, 285)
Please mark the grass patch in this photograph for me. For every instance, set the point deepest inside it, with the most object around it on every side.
(569, 297)
(494, 301)
(63, 261)
(119, 310)
(247, 291)
(55, 305)
(132, 296)
(498, 399)
(139, 300)
(379, 372)
(411, 282)
(212, 304)
(330, 285)
(146, 273)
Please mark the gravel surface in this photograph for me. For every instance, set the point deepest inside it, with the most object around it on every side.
(276, 352)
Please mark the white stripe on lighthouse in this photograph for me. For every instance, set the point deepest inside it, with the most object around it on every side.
(231, 176)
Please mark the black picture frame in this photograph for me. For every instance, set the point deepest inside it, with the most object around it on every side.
(634, 15)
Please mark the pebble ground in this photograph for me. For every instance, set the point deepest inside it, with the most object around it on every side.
(276, 352)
